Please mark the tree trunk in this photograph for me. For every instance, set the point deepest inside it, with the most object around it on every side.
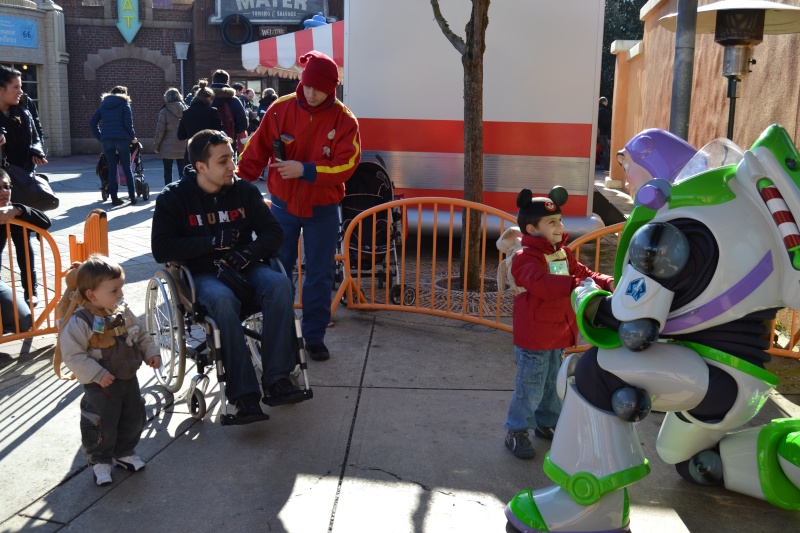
(472, 60)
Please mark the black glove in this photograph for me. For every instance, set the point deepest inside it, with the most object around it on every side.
(238, 259)
(225, 239)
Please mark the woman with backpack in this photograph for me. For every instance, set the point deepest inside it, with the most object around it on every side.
(167, 144)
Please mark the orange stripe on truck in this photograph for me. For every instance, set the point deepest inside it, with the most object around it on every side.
(499, 138)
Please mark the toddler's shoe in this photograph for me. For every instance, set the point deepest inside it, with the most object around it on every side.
(520, 444)
(102, 473)
(130, 462)
(544, 432)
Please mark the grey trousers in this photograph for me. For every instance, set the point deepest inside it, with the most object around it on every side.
(112, 419)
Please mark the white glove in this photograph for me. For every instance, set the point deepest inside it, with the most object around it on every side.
(582, 291)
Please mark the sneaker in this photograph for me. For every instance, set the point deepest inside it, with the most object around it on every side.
(130, 462)
(247, 407)
(117, 202)
(33, 301)
(520, 444)
(544, 432)
(102, 473)
(283, 392)
(133, 201)
(318, 352)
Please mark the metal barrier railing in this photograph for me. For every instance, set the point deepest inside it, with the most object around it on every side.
(370, 277)
(49, 272)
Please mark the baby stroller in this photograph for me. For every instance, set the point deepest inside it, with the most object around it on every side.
(141, 187)
(368, 187)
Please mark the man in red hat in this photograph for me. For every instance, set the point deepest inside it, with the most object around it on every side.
(311, 143)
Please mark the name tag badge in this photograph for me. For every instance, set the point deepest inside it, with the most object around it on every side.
(99, 325)
(559, 267)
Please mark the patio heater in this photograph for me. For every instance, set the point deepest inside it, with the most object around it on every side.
(739, 25)
(182, 54)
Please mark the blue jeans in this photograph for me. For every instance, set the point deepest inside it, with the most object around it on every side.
(7, 308)
(535, 401)
(320, 234)
(278, 347)
(119, 150)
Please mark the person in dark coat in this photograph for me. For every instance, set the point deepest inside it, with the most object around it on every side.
(200, 116)
(604, 131)
(117, 136)
(267, 97)
(21, 146)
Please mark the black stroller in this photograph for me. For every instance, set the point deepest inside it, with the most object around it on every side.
(141, 187)
(368, 187)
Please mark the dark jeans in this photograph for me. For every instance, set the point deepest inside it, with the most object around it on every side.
(118, 150)
(112, 419)
(320, 234)
(605, 143)
(168, 169)
(278, 351)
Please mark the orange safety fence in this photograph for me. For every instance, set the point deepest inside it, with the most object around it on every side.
(422, 276)
(49, 274)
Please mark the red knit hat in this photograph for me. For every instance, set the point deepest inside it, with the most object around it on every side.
(320, 72)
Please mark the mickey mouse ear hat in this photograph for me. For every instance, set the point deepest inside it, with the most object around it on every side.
(542, 207)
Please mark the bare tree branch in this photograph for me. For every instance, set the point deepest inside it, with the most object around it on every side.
(455, 40)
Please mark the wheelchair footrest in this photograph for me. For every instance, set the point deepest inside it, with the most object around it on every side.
(307, 394)
(233, 420)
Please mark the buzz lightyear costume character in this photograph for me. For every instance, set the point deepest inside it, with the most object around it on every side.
(707, 257)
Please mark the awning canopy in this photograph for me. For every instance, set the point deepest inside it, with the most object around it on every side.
(277, 56)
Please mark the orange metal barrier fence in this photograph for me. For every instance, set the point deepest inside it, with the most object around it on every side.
(49, 271)
(421, 275)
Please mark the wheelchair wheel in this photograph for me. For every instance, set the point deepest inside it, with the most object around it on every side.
(165, 324)
(197, 404)
(137, 185)
(104, 191)
(409, 296)
(146, 191)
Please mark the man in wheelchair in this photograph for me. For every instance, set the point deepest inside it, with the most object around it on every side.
(206, 221)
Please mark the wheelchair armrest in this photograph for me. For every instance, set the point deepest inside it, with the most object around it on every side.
(183, 278)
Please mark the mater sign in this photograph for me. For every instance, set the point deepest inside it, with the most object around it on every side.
(268, 12)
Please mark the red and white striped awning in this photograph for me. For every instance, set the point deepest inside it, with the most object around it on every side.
(277, 56)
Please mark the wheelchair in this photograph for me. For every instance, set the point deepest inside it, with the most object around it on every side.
(171, 311)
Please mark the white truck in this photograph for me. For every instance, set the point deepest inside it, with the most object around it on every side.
(404, 81)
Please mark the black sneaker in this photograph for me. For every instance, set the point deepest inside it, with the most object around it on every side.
(247, 407)
(318, 352)
(283, 392)
(133, 201)
(544, 432)
(117, 202)
(520, 444)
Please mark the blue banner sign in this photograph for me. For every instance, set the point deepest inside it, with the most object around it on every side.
(18, 32)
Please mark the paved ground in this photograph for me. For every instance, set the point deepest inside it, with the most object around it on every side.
(404, 433)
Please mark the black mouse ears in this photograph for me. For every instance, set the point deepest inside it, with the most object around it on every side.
(557, 194)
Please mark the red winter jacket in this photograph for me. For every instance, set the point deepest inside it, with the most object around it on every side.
(543, 315)
(324, 138)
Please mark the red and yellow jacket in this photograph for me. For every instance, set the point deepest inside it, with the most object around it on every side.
(543, 315)
(324, 138)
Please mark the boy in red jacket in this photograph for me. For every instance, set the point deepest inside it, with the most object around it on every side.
(311, 143)
(544, 323)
